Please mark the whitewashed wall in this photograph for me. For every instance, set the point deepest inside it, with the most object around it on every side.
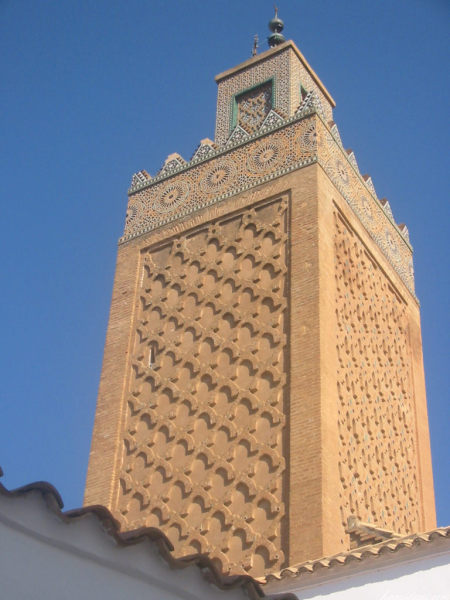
(42, 557)
(400, 576)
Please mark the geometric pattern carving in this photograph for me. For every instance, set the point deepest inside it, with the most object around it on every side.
(253, 107)
(242, 164)
(376, 417)
(404, 231)
(277, 66)
(337, 136)
(226, 173)
(369, 183)
(205, 149)
(351, 157)
(360, 196)
(273, 119)
(204, 435)
(140, 177)
(387, 208)
(289, 74)
(311, 102)
(172, 163)
(237, 136)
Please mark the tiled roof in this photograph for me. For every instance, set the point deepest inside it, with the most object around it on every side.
(252, 587)
(363, 534)
(362, 553)
(110, 525)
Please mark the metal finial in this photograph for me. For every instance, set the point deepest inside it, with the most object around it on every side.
(255, 45)
(276, 26)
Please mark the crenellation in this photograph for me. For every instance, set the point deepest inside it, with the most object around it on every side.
(297, 143)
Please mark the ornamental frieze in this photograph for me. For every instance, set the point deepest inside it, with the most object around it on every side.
(228, 170)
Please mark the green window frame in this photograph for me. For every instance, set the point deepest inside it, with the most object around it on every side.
(235, 99)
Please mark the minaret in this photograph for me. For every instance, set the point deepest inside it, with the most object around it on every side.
(262, 379)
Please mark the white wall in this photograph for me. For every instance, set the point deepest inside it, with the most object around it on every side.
(43, 557)
(407, 577)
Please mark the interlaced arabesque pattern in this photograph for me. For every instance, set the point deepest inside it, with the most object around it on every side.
(293, 146)
(300, 77)
(253, 107)
(377, 429)
(223, 175)
(275, 67)
(203, 455)
(378, 221)
(288, 76)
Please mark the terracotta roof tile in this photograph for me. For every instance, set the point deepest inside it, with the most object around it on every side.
(359, 554)
(110, 525)
(252, 586)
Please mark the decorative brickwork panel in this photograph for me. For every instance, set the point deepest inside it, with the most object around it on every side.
(298, 142)
(203, 456)
(300, 77)
(289, 75)
(276, 66)
(253, 107)
(226, 174)
(360, 196)
(377, 429)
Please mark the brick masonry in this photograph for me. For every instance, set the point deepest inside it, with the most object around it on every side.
(262, 377)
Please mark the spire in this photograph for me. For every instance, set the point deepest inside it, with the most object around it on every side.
(255, 46)
(276, 26)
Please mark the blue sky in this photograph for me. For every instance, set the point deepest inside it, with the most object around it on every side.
(92, 91)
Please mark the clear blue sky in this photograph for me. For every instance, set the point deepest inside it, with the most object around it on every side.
(94, 90)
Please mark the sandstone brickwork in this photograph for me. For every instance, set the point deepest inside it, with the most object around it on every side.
(263, 376)
(203, 450)
(376, 417)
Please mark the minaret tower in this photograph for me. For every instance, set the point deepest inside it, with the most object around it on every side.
(262, 379)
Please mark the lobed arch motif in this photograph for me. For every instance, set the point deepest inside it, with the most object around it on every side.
(204, 436)
(379, 479)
